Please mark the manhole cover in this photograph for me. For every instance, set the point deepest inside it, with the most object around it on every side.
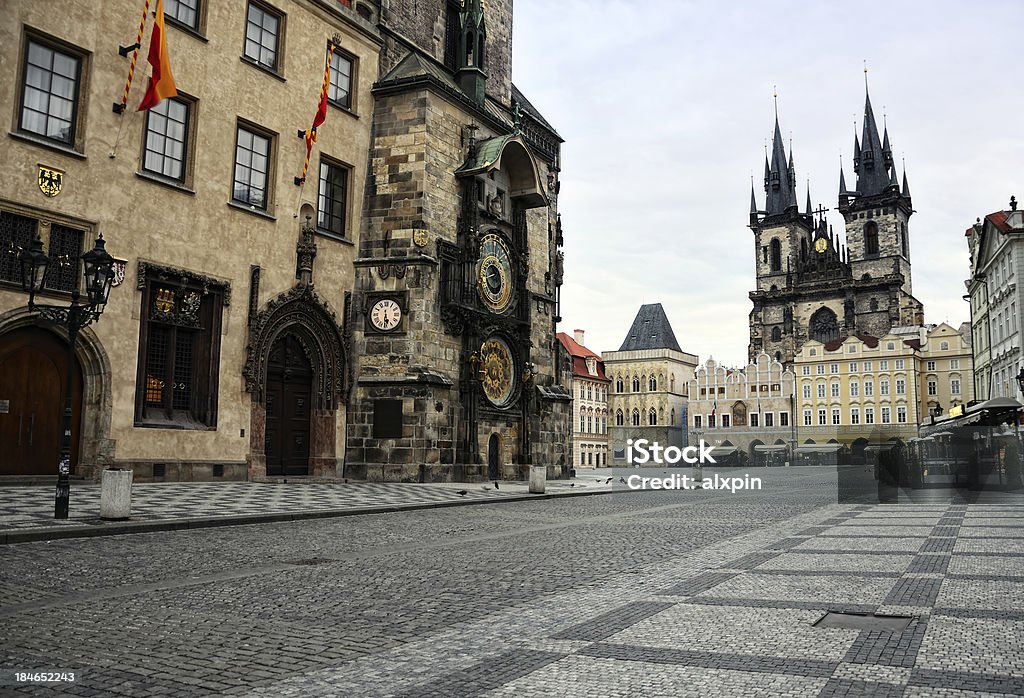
(863, 621)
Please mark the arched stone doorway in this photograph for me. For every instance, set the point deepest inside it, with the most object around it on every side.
(295, 361)
(33, 371)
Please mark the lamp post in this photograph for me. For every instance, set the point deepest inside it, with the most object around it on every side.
(1020, 379)
(98, 271)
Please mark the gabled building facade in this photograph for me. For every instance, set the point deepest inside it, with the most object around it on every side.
(810, 285)
(997, 301)
(589, 390)
(745, 414)
(649, 376)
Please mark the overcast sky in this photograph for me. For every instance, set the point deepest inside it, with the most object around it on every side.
(665, 107)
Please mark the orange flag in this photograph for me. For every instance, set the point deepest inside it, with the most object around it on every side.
(161, 82)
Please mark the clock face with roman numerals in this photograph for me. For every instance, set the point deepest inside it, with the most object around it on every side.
(385, 315)
(494, 273)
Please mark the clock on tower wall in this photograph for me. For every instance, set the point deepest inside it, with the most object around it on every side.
(385, 312)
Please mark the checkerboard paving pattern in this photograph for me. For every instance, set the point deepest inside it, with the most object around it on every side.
(743, 622)
(32, 507)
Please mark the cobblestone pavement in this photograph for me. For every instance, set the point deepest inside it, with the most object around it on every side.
(31, 508)
(700, 593)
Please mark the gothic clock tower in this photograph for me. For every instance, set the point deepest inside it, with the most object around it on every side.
(459, 375)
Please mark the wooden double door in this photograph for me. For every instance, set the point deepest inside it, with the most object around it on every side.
(289, 388)
(33, 369)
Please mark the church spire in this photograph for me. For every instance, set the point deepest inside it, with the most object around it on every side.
(808, 209)
(906, 185)
(780, 180)
(870, 154)
(753, 203)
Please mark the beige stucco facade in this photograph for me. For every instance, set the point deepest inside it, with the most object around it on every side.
(191, 229)
(868, 390)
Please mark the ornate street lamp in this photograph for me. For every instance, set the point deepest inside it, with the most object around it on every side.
(98, 269)
(1020, 379)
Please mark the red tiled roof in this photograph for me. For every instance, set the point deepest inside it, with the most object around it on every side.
(913, 343)
(998, 219)
(580, 354)
(868, 340)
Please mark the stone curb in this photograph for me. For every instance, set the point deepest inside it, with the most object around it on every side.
(122, 528)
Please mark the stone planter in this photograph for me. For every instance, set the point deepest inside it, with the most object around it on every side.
(116, 494)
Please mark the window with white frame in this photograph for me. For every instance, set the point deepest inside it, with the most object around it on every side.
(807, 391)
(866, 365)
(954, 364)
(933, 387)
(854, 415)
(901, 386)
(883, 365)
(954, 386)
(822, 417)
(820, 369)
(899, 364)
(806, 370)
(835, 389)
(853, 367)
(943, 346)
(930, 365)
(886, 416)
(821, 390)
(833, 368)
(854, 389)
(807, 418)
(835, 415)
(769, 419)
(869, 415)
(901, 414)
(869, 388)
(883, 386)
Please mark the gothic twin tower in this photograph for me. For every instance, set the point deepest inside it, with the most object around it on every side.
(809, 284)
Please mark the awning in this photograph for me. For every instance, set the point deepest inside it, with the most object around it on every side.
(761, 448)
(722, 451)
(818, 448)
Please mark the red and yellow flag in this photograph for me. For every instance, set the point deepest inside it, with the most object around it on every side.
(321, 111)
(161, 82)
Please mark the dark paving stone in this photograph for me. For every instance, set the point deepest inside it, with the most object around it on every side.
(486, 675)
(988, 577)
(851, 688)
(888, 648)
(914, 591)
(938, 545)
(749, 562)
(711, 660)
(824, 551)
(929, 563)
(609, 623)
(826, 573)
(979, 613)
(788, 543)
(931, 678)
(773, 603)
(698, 584)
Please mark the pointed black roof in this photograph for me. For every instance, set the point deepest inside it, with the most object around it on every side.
(651, 330)
(906, 185)
(871, 158)
(780, 185)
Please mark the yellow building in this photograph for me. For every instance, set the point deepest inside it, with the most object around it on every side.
(862, 389)
(223, 350)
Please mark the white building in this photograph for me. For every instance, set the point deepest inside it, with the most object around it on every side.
(997, 301)
(589, 404)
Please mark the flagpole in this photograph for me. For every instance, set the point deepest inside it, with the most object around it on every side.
(309, 135)
(119, 107)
